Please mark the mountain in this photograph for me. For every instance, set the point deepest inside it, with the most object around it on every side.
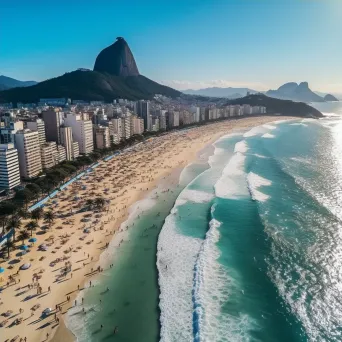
(229, 92)
(115, 76)
(329, 98)
(295, 92)
(8, 83)
(117, 59)
(278, 106)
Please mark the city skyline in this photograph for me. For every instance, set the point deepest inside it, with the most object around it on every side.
(184, 45)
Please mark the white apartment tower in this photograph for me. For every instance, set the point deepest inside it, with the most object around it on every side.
(67, 141)
(116, 130)
(27, 144)
(38, 126)
(82, 132)
(9, 167)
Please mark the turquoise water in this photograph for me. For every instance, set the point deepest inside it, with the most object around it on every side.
(259, 257)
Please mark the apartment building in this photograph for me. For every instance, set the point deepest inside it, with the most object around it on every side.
(102, 137)
(27, 144)
(38, 126)
(82, 132)
(9, 167)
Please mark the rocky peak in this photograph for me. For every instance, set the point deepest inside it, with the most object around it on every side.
(117, 59)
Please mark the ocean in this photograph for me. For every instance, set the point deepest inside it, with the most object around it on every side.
(246, 248)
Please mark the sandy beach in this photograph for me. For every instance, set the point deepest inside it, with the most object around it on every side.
(75, 240)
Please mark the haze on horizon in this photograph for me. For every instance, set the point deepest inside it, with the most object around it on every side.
(259, 44)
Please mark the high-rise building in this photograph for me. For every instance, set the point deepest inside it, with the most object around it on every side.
(9, 167)
(143, 111)
(128, 129)
(67, 141)
(102, 138)
(116, 130)
(173, 119)
(61, 153)
(49, 154)
(75, 150)
(38, 126)
(53, 119)
(82, 132)
(138, 125)
(8, 129)
(27, 144)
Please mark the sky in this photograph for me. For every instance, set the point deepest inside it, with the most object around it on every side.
(195, 44)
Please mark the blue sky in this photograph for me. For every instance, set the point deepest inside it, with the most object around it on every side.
(182, 43)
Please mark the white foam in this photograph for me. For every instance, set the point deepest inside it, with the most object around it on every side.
(269, 126)
(228, 136)
(176, 257)
(195, 196)
(254, 131)
(268, 136)
(260, 156)
(298, 124)
(241, 147)
(212, 289)
(254, 182)
(229, 185)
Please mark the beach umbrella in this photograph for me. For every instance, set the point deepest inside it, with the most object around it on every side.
(2, 270)
(23, 247)
(33, 240)
(25, 266)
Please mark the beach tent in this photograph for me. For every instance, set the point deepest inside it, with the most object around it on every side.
(23, 248)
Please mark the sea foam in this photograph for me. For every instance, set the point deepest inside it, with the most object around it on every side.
(254, 182)
(268, 136)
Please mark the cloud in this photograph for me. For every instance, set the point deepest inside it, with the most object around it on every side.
(184, 84)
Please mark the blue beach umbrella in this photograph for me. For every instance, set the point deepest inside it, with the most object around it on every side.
(2, 270)
(23, 247)
(33, 240)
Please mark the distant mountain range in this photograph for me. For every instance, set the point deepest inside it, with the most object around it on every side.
(289, 91)
(229, 92)
(299, 92)
(115, 75)
(8, 83)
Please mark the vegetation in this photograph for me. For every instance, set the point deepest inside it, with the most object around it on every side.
(23, 235)
(277, 106)
(31, 226)
(89, 85)
(49, 217)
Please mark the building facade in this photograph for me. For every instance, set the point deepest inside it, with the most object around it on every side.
(9, 167)
(82, 132)
(102, 137)
(38, 126)
(27, 144)
(53, 119)
(67, 141)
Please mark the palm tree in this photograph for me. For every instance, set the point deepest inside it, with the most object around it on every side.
(14, 223)
(31, 226)
(23, 235)
(37, 213)
(10, 246)
(49, 217)
(23, 213)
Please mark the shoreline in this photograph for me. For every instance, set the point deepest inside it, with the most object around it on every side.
(148, 164)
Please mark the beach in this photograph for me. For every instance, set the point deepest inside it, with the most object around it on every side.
(76, 240)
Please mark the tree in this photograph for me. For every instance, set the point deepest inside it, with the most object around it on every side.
(7, 208)
(14, 223)
(34, 189)
(31, 226)
(37, 213)
(21, 212)
(10, 246)
(23, 196)
(49, 217)
(23, 235)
